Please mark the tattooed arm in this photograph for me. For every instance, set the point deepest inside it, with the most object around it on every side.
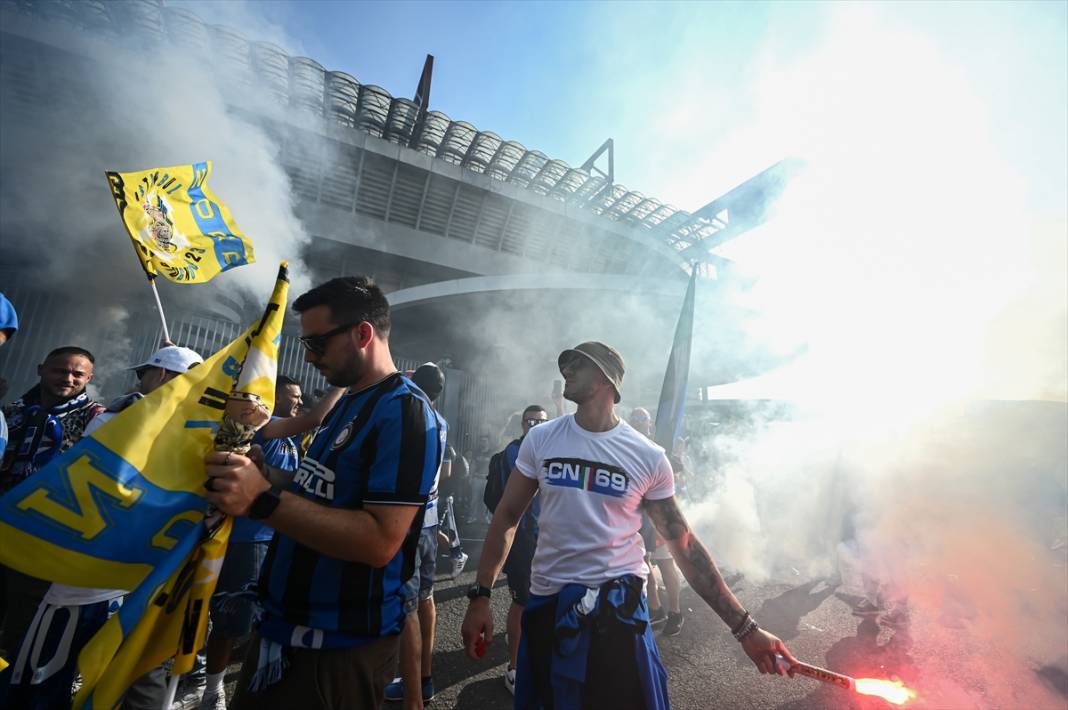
(694, 561)
(701, 572)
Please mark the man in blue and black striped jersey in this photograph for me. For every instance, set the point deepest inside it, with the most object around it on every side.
(346, 528)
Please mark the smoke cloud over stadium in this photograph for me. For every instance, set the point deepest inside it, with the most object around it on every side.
(907, 299)
(139, 109)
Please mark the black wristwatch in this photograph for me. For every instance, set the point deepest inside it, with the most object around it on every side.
(265, 503)
(476, 590)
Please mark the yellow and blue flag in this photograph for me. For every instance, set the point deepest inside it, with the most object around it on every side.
(166, 616)
(125, 509)
(179, 227)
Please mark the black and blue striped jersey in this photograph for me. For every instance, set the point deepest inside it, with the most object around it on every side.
(382, 445)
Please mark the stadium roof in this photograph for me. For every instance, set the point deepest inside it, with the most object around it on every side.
(335, 96)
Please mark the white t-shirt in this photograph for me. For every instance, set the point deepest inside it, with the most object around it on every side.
(431, 517)
(591, 486)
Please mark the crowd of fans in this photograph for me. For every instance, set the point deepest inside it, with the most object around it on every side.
(342, 511)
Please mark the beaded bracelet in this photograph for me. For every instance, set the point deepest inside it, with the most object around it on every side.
(749, 627)
(741, 625)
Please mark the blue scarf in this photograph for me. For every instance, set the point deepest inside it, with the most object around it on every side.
(31, 447)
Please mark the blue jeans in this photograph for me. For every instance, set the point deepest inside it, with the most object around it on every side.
(231, 616)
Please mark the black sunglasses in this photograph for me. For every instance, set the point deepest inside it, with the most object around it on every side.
(316, 344)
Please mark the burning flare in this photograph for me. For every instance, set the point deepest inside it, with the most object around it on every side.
(892, 691)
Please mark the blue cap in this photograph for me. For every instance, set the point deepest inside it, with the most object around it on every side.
(9, 320)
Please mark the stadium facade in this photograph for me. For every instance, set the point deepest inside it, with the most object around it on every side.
(449, 219)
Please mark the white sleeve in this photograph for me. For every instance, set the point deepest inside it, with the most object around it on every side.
(527, 461)
(663, 483)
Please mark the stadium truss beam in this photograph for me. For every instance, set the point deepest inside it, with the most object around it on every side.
(337, 99)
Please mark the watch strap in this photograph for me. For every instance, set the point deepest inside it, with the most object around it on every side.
(477, 590)
(265, 503)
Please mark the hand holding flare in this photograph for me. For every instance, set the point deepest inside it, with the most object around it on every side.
(892, 691)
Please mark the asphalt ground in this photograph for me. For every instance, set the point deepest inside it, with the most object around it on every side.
(706, 666)
(815, 618)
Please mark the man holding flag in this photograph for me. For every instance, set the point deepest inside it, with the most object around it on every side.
(348, 524)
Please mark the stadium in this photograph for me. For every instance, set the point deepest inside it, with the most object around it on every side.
(459, 225)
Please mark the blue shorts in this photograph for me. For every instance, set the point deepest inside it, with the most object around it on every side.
(232, 616)
(421, 585)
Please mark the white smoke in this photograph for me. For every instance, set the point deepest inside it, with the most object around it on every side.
(925, 265)
(129, 107)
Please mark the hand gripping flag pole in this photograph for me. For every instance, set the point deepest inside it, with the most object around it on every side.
(248, 409)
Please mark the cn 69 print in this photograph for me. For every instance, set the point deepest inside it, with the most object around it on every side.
(588, 475)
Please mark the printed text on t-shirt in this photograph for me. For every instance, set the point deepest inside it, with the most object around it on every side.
(315, 478)
(586, 475)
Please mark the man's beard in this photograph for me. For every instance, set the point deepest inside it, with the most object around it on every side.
(350, 375)
(341, 379)
(51, 391)
(578, 395)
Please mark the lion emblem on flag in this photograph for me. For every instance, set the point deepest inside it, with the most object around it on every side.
(161, 227)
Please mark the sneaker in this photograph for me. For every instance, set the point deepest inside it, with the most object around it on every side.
(458, 563)
(190, 696)
(213, 701)
(509, 680)
(395, 691)
(657, 616)
(674, 624)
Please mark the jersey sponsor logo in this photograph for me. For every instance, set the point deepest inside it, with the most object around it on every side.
(592, 476)
(315, 479)
(342, 437)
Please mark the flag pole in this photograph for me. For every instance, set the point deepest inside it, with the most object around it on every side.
(172, 690)
(159, 306)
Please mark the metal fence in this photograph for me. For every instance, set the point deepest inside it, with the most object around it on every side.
(466, 403)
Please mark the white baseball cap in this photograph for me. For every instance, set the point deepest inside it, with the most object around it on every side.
(173, 358)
